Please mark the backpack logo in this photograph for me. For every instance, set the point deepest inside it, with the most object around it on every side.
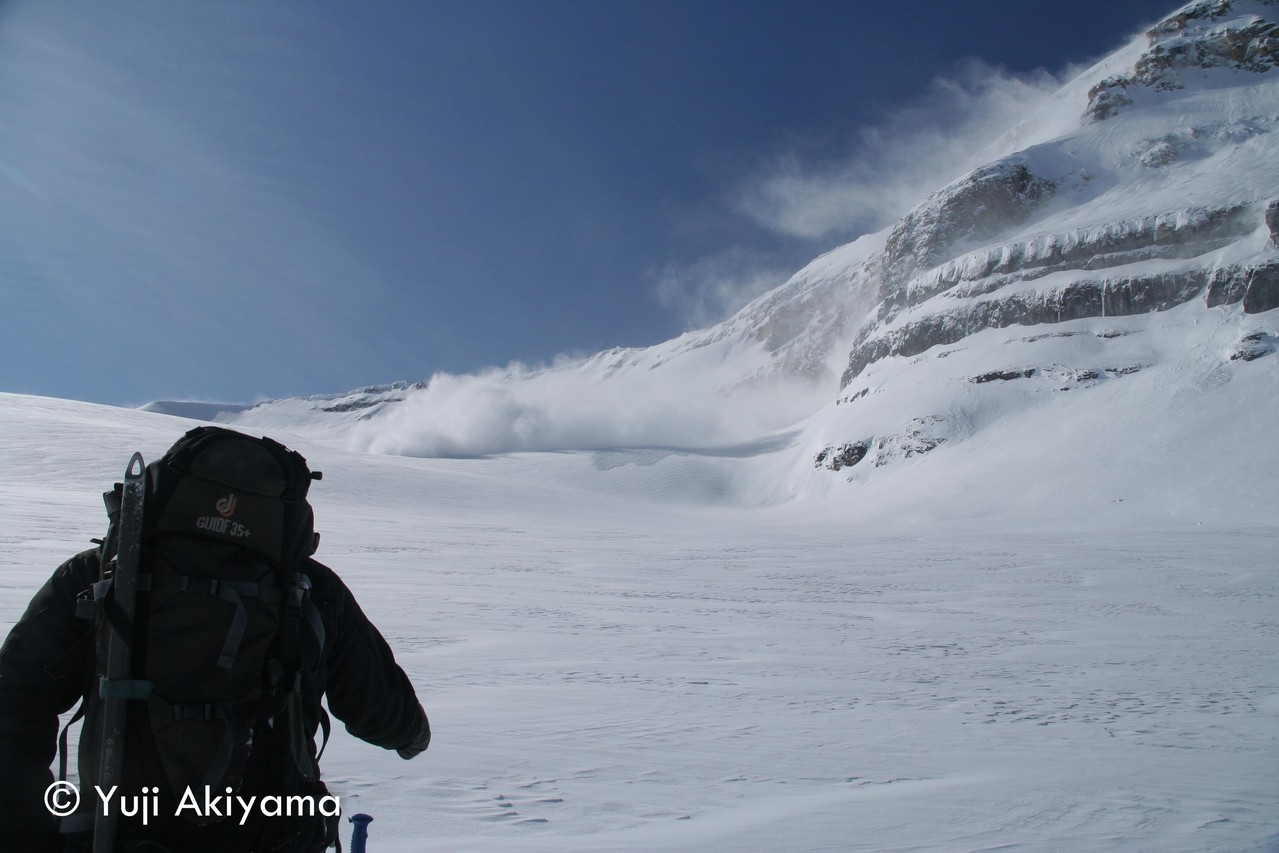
(222, 523)
(226, 506)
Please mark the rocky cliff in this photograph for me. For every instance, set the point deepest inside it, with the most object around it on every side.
(984, 252)
(1165, 194)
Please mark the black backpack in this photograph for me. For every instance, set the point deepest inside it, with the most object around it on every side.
(226, 641)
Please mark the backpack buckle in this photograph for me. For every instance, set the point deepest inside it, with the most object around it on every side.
(204, 585)
(298, 591)
(86, 607)
(124, 688)
(196, 711)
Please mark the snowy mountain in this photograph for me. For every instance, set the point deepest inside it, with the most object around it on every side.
(1132, 257)
(1118, 255)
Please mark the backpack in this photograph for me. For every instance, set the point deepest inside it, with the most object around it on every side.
(225, 640)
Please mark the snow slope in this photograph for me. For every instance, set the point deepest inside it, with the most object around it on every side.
(613, 659)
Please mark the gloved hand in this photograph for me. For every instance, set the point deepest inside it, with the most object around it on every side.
(419, 744)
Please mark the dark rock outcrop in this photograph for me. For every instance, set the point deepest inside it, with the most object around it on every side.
(1261, 292)
(979, 207)
(1272, 221)
(1244, 45)
(845, 456)
(920, 436)
(978, 278)
(1254, 346)
(1002, 376)
(1104, 297)
(1177, 234)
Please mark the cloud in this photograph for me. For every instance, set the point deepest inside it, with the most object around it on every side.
(958, 124)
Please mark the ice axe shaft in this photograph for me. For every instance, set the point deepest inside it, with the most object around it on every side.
(116, 685)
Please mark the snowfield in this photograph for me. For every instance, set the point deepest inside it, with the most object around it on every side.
(615, 655)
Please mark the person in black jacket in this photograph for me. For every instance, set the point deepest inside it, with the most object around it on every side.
(49, 661)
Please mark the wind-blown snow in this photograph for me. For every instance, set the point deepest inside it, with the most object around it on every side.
(513, 410)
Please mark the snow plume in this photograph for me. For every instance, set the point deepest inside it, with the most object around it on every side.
(710, 289)
(956, 126)
(618, 399)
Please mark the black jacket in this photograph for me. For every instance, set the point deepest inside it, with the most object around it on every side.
(48, 661)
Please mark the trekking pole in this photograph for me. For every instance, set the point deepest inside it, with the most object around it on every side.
(360, 834)
(116, 687)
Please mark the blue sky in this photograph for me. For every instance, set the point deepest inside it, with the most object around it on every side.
(237, 200)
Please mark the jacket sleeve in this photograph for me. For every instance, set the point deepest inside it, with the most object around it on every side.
(44, 666)
(367, 690)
